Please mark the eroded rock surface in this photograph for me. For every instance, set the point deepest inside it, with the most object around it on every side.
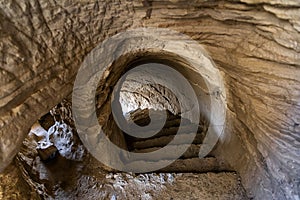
(67, 177)
(254, 43)
(13, 185)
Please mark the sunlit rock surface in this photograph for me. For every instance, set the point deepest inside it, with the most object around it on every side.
(75, 174)
(255, 43)
(13, 185)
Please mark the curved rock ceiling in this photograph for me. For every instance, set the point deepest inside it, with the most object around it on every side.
(254, 43)
(134, 94)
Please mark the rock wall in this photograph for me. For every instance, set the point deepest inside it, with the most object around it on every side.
(136, 94)
(42, 46)
(13, 185)
(255, 43)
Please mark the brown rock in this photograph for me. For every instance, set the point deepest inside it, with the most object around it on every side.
(48, 154)
(255, 44)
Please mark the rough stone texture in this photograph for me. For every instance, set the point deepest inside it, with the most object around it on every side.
(13, 185)
(254, 42)
(135, 94)
(66, 178)
(42, 46)
(88, 181)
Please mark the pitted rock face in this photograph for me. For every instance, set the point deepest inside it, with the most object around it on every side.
(136, 95)
(254, 43)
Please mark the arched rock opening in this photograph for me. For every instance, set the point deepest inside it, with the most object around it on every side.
(254, 43)
(145, 45)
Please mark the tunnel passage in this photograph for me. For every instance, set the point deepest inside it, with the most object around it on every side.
(139, 92)
(141, 100)
(141, 103)
(100, 76)
(74, 173)
(116, 69)
(255, 44)
(144, 103)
